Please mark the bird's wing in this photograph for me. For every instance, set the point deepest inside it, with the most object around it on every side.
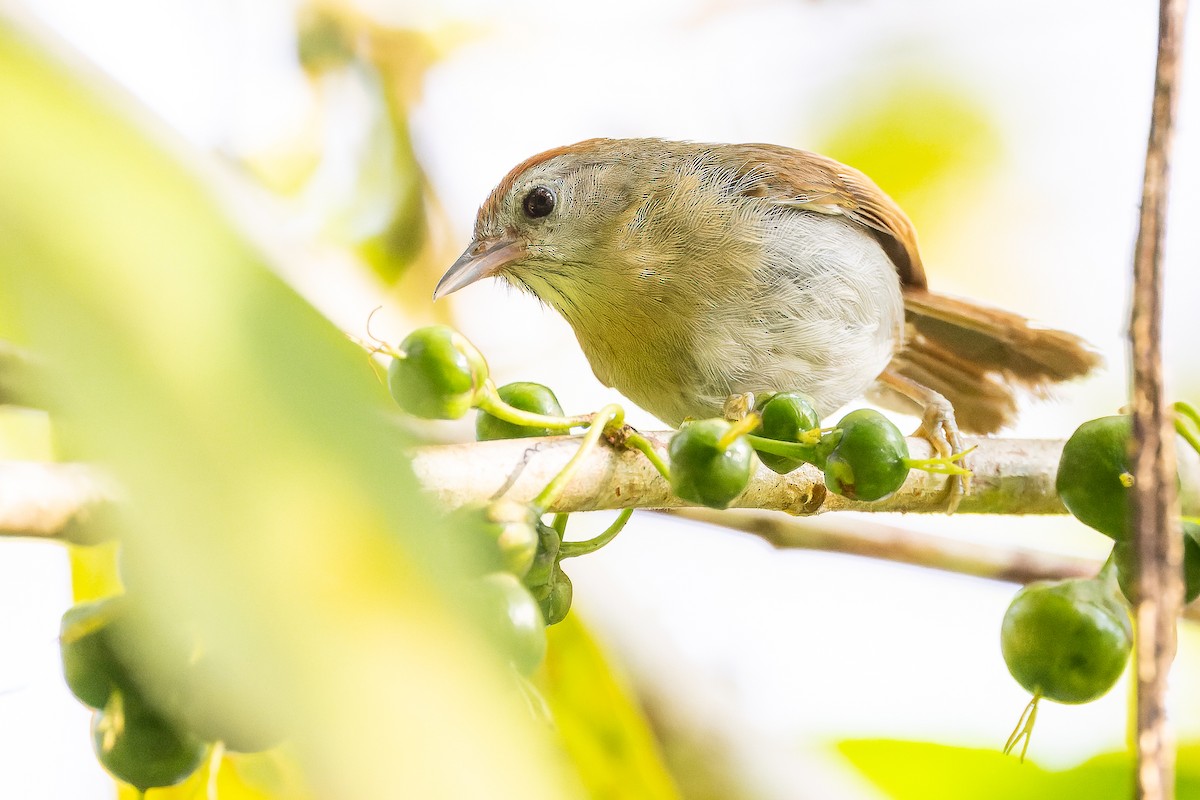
(803, 180)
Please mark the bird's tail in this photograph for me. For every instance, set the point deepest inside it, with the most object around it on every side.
(978, 357)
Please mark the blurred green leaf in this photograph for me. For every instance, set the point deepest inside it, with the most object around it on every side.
(600, 724)
(392, 249)
(382, 209)
(925, 771)
(265, 479)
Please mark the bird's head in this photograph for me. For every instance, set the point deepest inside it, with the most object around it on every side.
(547, 224)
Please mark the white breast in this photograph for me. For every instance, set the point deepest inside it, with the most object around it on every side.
(828, 314)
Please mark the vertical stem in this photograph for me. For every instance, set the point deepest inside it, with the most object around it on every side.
(1155, 523)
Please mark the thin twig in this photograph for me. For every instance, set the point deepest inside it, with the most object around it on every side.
(1155, 516)
(879, 540)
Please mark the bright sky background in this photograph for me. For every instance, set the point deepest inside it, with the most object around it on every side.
(775, 653)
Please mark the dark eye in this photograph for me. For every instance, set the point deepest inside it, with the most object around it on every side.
(539, 202)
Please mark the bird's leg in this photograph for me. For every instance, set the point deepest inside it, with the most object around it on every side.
(937, 426)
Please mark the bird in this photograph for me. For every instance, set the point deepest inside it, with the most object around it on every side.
(692, 273)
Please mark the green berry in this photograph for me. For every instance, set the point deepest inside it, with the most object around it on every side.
(545, 561)
(1095, 476)
(532, 397)
(705, 472)
(1123, 555)
(512, 619)
(870, 459)
(785, 417)
(437, 373)
(140, 747)
(91, 665)
(1067, 640)
(557, 601)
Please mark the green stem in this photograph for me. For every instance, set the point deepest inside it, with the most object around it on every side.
(1187, 412)
(1024, 729)
(805, 449)
(490, 401)
(376, 347)
(644, 446)
(1187, 435)
(941, 466)
(611, 415)
(739, 428)
(774, 447)
(1108, 572)
(572, 549)
(560, 524)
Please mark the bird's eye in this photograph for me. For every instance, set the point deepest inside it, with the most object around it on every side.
(539, 202)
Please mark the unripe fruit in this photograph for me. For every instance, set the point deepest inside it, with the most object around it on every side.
(437, 373)
(141, 747)
(702, 470)
(870, 460)
(1095, 477)
(1067, 641)
(785, 416)
(532, 397)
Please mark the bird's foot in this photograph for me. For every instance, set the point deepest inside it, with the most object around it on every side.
(940, 429)
(737, 406)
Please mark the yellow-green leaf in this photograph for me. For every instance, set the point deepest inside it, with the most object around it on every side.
(599, 722)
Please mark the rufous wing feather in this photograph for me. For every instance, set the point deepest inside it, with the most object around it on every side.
(974, 356)
(812, 182)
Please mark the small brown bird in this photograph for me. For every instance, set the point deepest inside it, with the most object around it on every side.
(693, 272)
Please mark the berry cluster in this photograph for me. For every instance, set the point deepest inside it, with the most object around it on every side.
(520, 586)
(150, 732)
(1069, 640)
(435, 373)
(864, 457)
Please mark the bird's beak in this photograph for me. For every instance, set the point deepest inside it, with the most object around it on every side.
(482, 258)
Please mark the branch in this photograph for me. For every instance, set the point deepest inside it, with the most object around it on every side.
(1155, 524)
(66, 501)
(1012, 476)
(57, 501)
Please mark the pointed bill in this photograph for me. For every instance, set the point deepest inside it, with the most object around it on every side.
(481, 259)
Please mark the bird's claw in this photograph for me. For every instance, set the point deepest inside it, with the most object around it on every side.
(737, 406)
(940, 429)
